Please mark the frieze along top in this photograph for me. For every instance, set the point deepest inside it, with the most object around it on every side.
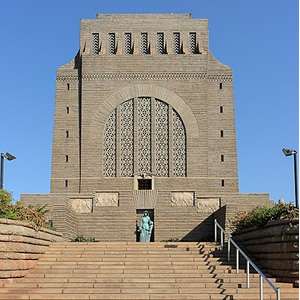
(146, 76)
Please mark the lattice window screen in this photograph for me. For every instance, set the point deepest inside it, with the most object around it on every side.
(192, 43)
(127, 46)
(95, 48)
(176, 42)
(161, 138)
(126, 138)
(160, 43)
(144, 43)
(179, 145)
(144, 134)
(112, 43)
(110, 146)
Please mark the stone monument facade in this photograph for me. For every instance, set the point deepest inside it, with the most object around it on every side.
(144, 120)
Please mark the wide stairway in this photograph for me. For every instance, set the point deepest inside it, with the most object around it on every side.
(137, 271)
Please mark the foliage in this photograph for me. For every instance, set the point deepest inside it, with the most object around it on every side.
(48, 226)
(32, 214)
(84, 239)
(261, 216)
(171, 240)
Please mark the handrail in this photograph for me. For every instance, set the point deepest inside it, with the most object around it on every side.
(249, 261)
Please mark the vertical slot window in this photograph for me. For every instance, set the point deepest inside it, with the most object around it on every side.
(68, 86)
(221, 85)
(112, 43)
(160, 46)
(95, 48)
(176, 43)
(222, 182)
(144, 43)
(221, 133)
(67, 133)
(222, 157)
(192, 43)
(128, 43)
(67, 109)
(66, 183)
(221, 109)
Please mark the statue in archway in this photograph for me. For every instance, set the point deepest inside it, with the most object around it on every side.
(146, 227)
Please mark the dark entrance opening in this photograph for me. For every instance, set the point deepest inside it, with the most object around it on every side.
(139, 214)
(144, 184)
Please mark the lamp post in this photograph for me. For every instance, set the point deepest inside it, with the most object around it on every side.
(9, 157)
(289, 152)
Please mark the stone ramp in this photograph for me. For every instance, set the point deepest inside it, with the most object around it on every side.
(136, 271)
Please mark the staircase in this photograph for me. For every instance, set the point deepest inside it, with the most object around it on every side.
(128, 270)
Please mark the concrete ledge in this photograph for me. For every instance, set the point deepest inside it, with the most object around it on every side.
(21, 246)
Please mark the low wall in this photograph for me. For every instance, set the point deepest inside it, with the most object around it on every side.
(275, 247)
(21, 246)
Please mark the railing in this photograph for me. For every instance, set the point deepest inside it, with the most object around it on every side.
(239, 251)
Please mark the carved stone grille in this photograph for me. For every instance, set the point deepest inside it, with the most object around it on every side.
(144, 43)
(135, 134)
(126, 138)
(111, 43)
(179, 145)
(161, 138)
(160, 43)
(144, 134)
(127, 46)
(176, 42)
(192, 42)
(95, 48)
(109, 146)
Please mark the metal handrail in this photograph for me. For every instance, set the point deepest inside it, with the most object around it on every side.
(249, 261)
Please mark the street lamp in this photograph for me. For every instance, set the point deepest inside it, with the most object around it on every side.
(9, 157)
(289, 152)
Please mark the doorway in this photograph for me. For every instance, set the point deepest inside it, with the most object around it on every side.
(139, 214)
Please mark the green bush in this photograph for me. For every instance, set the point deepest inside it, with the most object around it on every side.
(32, 214)
(261, 216)
(83, 239)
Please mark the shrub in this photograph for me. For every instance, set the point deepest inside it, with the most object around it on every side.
(84, 239)
(32, 214)
(261, 216)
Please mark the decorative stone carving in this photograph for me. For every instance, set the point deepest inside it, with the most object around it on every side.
(81, 205)
(208, 204)
(182, 199)
(106, 199)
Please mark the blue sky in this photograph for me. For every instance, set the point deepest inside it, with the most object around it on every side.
(258, 39)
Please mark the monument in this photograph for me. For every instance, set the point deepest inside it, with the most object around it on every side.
(144, 120)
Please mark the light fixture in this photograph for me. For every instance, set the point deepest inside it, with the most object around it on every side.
(289, 152)
(9, 157)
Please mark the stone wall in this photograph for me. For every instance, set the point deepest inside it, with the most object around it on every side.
(275, 247)
(21, 246)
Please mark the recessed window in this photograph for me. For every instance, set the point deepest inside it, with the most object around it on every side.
(144, 184)
(144, 43)
(222, 133)
(67, 158)
(95, 49)
(68, 86)
(222, 157)
(221, 109)
(160, 46)
(221, 85)
(66, 183)
(222, 182)
(112, 43)
(67, 133)
(192, 42)
(176, 43)
(128, 43)
(67, 109)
